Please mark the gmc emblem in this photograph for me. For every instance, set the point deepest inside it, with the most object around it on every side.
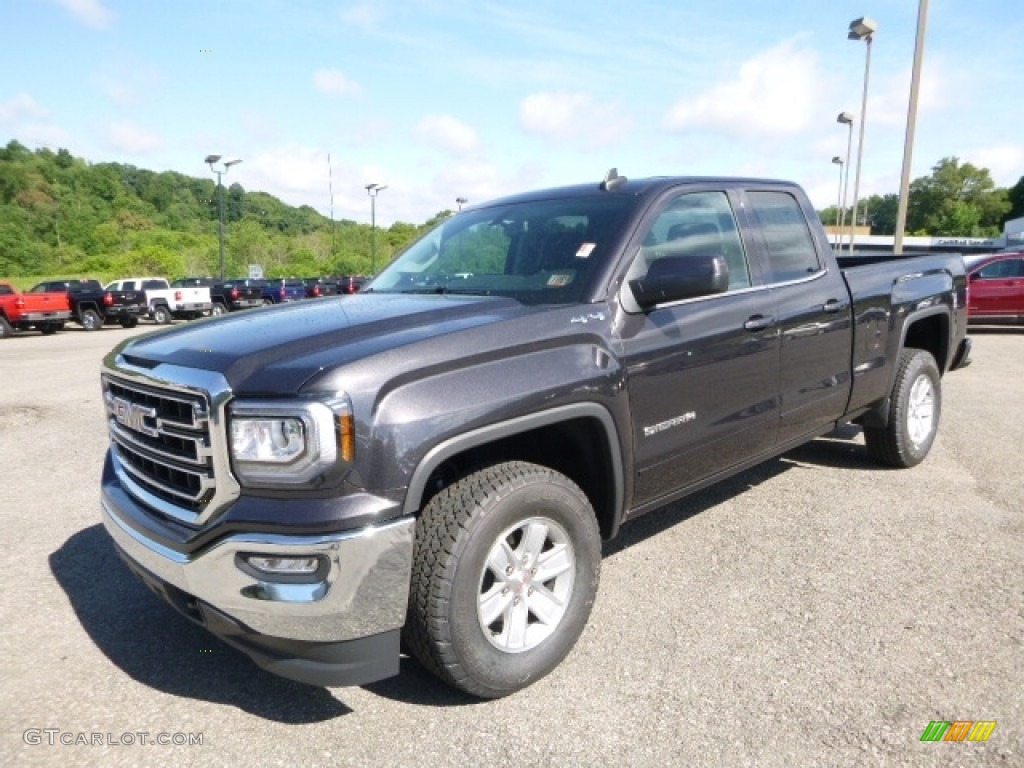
(132, 415)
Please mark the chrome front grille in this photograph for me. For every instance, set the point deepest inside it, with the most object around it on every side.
(167, 441)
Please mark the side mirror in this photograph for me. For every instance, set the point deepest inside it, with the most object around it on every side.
(674, 278)
(974, 276)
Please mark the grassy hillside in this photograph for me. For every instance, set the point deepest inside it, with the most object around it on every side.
(62, 216)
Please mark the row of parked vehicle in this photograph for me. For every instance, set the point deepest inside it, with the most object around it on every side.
(47, 306)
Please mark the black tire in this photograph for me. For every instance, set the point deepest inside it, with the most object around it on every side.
(48, 329)
(531, 514)
(6, 329)
(268, 302)
(218, 309)
(162, 315)
(129, 322)
(90, 320)
(915, 405)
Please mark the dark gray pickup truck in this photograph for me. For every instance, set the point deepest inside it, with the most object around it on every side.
(438, 458)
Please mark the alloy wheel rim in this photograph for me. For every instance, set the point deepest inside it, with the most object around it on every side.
(526, 585)
(921, 410)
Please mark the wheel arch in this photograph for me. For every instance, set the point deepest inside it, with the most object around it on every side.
(928, 330)
(578, 440)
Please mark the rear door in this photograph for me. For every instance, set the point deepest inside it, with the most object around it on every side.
(813, 309)
(702, 374)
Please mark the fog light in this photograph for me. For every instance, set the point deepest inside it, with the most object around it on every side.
(284, 566)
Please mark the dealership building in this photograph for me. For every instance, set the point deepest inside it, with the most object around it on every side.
(1011, 239)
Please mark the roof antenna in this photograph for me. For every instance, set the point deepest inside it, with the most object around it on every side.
(612, 180)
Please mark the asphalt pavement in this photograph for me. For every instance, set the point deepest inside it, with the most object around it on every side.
(817, 610)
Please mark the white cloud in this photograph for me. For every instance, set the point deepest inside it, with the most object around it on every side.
(92, 13)
(774, 94)
(21, 106)
(564, 117)
(449, 134)
(44, 135)
(333, 81)
(126, 136)
(364, 15)
(1004, 161)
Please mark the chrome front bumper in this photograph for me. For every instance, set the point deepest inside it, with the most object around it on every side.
(364, 592)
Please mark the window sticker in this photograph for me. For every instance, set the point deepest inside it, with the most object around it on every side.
(585, 250)
(559, 280)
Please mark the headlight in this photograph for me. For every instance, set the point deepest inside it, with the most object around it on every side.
(292, 442)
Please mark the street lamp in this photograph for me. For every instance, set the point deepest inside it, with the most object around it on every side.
(839, 199)
(845, 118)
(210, 160)
(461, 201)
(908, 145)
(864, 29)
(373, 190)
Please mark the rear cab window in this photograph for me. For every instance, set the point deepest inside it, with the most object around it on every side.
(789, 250)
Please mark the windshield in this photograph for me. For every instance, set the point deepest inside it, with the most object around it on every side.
(539, 252)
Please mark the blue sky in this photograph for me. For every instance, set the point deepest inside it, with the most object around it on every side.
(442, 99)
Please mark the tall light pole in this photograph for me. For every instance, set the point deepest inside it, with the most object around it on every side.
(210, 160)
(864, 29)
(461, 201)
(837, 160)
(845, 118)
(373, 190)
(908, 144)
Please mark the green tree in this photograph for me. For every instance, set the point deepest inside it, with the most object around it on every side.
(958, 200)
(881, 213)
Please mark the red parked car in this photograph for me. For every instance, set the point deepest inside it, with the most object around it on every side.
(996, 293)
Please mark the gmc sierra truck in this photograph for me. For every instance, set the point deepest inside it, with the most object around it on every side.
(45, 312)
(92, 306)
(165, 303)
(225, 295)
(438, 458)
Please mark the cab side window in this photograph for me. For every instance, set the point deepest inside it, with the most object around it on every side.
(789, 248)
(1003, 269)
(696, 223)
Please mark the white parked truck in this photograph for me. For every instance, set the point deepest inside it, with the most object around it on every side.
(166, 303)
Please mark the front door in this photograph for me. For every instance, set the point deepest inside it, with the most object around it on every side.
(702, 374)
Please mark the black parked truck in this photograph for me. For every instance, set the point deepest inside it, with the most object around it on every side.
(225, 295)
(92, 306)
(440, 456)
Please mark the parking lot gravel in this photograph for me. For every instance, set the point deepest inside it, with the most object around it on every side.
(816, 610)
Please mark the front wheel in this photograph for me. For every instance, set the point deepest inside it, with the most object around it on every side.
(505, 572)
(218, 309)
(48, 329)
(6, 329)
(129, 322)
(914, 408)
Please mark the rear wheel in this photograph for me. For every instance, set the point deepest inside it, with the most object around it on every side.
(129, 322)
(90, 320)
(505, 573)
(914, 408)
(48, 329)
(161, 315)
(268, 302)
(218, 309)
(6, 329)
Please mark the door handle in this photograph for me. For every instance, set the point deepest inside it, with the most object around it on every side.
(759, 323)
(833, 305)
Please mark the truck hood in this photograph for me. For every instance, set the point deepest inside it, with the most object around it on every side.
(277, 349)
